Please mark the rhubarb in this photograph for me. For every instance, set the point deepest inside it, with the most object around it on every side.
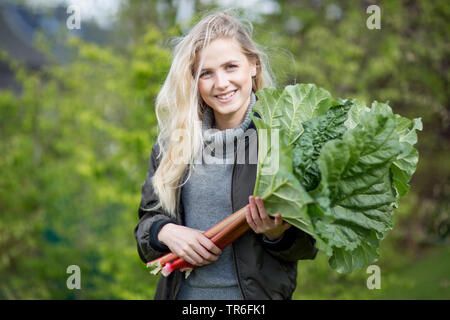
(222, 239)
(157, 264)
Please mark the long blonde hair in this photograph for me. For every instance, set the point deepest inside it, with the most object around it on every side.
(179, 107)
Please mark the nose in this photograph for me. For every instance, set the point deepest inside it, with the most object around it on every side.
(222, 81)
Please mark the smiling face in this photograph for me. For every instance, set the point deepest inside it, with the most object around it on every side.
(225, 82)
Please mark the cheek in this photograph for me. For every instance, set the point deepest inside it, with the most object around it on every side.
(244, 78)
(203, 88)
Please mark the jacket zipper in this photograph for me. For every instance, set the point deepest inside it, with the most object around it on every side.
(232, 245)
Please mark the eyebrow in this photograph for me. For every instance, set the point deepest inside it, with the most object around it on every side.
(225, 63)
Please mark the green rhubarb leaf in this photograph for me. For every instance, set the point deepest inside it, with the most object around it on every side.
(287, 109)
(405, 164)
(333, 168)
(317, 132)
(344, 261)
(406, 161)
(282, 113)
(279, 126)
(270, 106)
(277, 185)
(358, 108)
(356, 190)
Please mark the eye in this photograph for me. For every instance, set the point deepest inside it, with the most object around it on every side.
(231, 66)
(204, 74)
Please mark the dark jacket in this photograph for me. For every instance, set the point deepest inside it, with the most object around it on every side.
(264, 270)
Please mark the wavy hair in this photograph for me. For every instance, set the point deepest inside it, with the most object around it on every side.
(179, 106)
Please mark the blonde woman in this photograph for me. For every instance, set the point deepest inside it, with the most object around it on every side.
(195, 179)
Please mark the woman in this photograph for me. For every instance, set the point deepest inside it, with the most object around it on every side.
(203, 108)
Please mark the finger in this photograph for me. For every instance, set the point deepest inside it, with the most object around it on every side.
(200, 248)
(192, 257)
(192, 250)
(284, 225)
(209, 245)
(254, 211)
(250, 222)
(190, 260)
(278, 221)
(205, 254)
(262, 211)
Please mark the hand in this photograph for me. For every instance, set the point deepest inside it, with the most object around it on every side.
(189, 244)
(260, 222)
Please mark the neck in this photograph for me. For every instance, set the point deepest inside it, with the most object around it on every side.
(230, 121)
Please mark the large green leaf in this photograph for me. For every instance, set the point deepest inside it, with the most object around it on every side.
(333, 168)
(356, 189)
(290, 107)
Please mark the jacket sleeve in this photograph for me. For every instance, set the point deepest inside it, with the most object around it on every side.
(150, 220)
(294, 245)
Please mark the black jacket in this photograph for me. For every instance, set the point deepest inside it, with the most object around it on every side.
(264, 270)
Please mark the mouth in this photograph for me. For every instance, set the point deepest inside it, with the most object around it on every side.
(226, 96)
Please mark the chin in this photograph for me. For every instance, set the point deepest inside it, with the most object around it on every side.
(227, 109)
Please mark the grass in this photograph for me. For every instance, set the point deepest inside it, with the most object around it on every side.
(424, 278)
(428, 278)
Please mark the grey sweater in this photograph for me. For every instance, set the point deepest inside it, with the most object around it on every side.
(207, 201)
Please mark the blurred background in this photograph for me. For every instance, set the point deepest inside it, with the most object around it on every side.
(77, 123)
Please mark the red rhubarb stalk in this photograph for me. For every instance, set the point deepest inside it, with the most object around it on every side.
(222, 239)
(171, 266)
(233, 231)
(157, 264)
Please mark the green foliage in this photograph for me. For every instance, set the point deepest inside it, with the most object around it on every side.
(76, 143)
(350, 207)
(318, 131)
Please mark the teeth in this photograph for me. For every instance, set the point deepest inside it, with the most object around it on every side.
(226, 96)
